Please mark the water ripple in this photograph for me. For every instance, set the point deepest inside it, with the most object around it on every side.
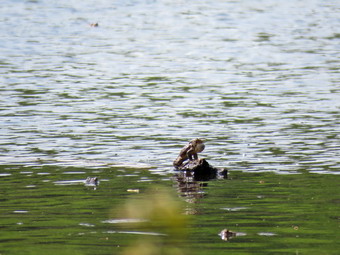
(258, 82)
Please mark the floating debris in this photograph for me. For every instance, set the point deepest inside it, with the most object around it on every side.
(133, 190)
(91, 181)
(203, 171)
(226, 234)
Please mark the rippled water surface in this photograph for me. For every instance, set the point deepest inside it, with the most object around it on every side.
(258, 80)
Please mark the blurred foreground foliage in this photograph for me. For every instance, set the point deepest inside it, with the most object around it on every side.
(158, 212)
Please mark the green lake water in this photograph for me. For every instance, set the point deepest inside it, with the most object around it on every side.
(49, 210)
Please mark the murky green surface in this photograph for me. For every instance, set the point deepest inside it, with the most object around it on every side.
(50, 210)
(272, 214)
(258, 80)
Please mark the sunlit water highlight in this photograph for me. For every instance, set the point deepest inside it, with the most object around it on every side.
(258, 81)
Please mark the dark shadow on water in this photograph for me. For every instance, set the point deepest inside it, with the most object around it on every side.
(193, 176)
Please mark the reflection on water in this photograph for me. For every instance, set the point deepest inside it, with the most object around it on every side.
(190, 184)
(188, 188)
